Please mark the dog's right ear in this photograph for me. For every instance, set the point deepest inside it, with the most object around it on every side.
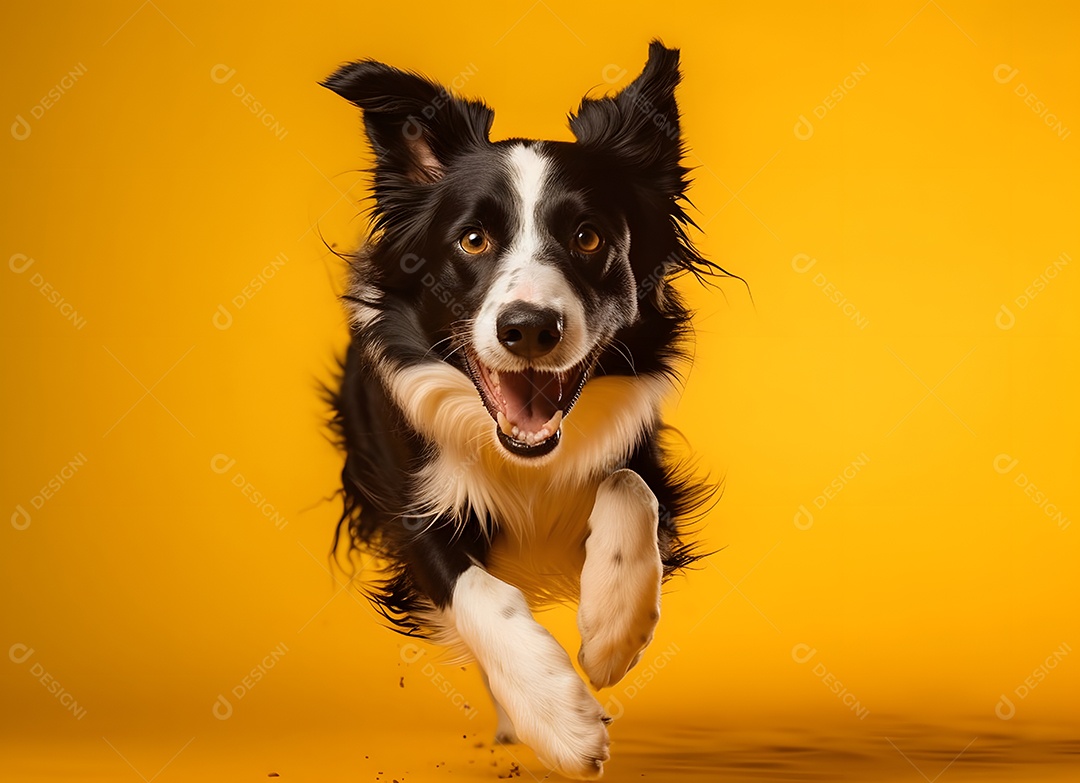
(415, 125)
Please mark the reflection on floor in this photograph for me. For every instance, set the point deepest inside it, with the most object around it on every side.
(643, 748)
(903, 751)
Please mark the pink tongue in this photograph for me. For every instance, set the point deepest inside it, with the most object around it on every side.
(531, 397)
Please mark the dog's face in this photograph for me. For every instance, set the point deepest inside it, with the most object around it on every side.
(525, 261)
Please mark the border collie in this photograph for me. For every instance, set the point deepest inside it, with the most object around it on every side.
(514, 335)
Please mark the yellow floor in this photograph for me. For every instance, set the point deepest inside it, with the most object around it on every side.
(656, 749)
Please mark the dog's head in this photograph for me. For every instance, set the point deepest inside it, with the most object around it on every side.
(531, 265)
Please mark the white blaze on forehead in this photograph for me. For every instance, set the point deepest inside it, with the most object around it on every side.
(524, 276)
(528, 170)
(528, 174)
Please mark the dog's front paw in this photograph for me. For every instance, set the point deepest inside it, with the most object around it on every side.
(548, 707)
(612, 642)
(607, 656)
(537, 692)
(620, 582)
(576, 742)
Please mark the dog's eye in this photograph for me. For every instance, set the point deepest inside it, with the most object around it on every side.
(587, 241)
(474, 242)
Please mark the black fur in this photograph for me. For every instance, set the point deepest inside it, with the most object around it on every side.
(435, 172)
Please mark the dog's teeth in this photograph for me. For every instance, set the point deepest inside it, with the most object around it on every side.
(554, 422)
(505, 425)
(494, 375)
(516, 432)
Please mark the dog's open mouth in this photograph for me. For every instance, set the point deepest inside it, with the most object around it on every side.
(528, 406)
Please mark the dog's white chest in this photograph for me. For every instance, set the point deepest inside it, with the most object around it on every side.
(542, 551)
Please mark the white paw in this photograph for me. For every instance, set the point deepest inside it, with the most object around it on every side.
(553, 712)
(620, 582)
(542, 699)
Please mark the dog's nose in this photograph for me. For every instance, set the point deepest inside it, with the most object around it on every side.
(528, 330)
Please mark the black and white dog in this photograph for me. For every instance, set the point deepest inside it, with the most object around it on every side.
(514, 333)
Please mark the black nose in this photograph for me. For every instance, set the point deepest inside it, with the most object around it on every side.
(528, 330)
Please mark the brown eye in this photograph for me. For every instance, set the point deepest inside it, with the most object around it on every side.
(474, 242)
(586, 240)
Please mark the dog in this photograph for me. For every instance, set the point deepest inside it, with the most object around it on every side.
(514, 333)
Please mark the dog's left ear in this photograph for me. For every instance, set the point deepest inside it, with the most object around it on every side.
(640, 124)
(415, 125)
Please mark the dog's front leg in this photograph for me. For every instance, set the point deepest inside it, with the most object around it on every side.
(620, 582)
(530, 675)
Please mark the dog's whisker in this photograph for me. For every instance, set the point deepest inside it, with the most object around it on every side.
(626, 354)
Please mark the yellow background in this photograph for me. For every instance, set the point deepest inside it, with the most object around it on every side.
(149, 195)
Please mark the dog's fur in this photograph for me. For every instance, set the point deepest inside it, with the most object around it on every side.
(481, 308)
